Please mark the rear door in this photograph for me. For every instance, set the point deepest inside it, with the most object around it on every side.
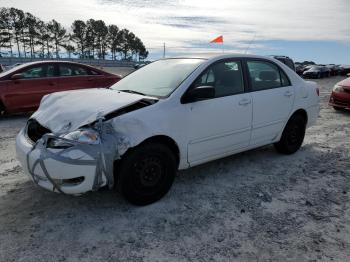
(25, 94)
(273, 98)
(75, 77)
(101, 80)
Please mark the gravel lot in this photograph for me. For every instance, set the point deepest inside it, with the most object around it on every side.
(254, 206)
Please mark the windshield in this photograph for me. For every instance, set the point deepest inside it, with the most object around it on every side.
(159, 78)
(14, 69)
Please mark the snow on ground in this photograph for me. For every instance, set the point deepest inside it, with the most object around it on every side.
(254, 206)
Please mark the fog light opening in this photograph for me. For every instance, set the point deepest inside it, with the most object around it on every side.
(69, 182)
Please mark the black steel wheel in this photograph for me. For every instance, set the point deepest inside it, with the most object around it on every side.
(146, 173)
(293, 135)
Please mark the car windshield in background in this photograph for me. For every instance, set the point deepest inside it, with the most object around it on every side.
(13, 69)
(315, 68)
(159, 78)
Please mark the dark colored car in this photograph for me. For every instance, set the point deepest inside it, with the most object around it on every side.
(285, 60)
(340, 97)
(344, 70)
(317, 72)
(22, 87)
(2, 68)
(334, 69)
(299, 69)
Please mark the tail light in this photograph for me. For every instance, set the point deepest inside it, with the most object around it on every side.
(318, 91)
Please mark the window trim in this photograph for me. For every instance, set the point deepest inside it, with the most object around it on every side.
(244, 79)
(265, 61)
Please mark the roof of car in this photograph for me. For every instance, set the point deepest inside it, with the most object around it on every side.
(51, 61)
(24, 65)
(216, 56)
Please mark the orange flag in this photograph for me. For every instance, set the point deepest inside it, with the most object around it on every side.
(219, 39)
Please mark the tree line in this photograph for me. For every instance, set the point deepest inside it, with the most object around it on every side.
(24, 35)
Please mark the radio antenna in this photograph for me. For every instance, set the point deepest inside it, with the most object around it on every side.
(251, 41)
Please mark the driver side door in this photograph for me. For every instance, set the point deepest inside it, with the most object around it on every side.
(24, 94)
(221, 125)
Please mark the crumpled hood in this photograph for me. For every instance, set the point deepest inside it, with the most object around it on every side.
(64, 112)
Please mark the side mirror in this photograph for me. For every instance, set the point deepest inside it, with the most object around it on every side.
(199, 93)
(16, 76)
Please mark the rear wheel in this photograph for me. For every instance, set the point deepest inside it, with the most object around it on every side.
(146, 173)
(293, 135)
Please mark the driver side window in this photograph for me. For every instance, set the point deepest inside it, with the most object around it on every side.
(34, 72)
(226, 77)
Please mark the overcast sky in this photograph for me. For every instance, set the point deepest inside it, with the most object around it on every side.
(303, 29)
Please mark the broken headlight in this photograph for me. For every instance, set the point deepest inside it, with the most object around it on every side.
(83, 136)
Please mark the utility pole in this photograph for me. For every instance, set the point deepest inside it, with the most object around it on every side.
(163, 50)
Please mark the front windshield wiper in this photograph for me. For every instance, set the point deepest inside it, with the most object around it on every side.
(133, 92)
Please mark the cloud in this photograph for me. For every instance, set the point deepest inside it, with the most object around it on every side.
(193, 23)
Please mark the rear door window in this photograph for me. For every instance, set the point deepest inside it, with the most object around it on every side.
(72, 70)
(265, 75)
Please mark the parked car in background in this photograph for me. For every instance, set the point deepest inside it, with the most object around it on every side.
(344, 70)
(334, 69)
(340, 97)
(13, 66)
(285, 60)
(171, 114)
(140, 64)
(299, 69)
(316, 72)
(22, 87)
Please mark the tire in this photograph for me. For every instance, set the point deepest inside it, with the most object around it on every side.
(146, 173)
(2, 108)
(293, 135)
(338, 108)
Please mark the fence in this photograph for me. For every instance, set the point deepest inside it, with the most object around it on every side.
(6, 61)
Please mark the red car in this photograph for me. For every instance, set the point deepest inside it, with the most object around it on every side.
(340, 97)
(22, 87)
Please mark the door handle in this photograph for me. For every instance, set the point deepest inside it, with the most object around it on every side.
(288, 93)
(51, 84)
(244, 102)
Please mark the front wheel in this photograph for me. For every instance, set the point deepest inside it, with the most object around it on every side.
(338, 108)
(293, 135)
(146, 173)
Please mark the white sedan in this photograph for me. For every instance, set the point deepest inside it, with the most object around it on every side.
(171, 114)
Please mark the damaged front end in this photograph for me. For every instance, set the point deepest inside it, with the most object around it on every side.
(70, 145)
(76, 162)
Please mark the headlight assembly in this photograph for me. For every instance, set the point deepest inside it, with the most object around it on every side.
(338, 88)
(82, 136)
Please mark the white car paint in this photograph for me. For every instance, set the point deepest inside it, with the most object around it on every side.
(202, 130)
